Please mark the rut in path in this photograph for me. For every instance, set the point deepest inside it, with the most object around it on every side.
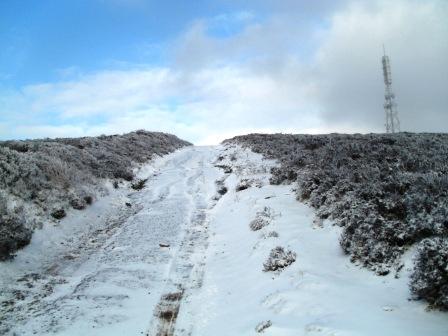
(167, 311)
(187, 268)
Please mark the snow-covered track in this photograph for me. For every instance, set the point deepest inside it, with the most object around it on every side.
(187, 265)
(117, 274)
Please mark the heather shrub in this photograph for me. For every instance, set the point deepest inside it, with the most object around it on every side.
(138, 185)
(258, 223)
(430, 278)
(13, 236)
(13, 233)
(278, 259)
(263, 218)
(243, 185)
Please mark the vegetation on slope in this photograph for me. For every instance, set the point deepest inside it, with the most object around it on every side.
(39, 179)
(388, 192)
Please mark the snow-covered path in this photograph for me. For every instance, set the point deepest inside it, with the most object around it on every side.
(183, 260)
(115, 289)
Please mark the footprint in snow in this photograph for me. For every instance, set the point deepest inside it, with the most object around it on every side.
(315, 329)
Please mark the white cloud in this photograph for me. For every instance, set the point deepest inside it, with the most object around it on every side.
(105, 93)
(44, 131)
(208, 104)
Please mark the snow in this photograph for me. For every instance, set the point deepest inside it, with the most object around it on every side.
(109, 275)
(321, 293)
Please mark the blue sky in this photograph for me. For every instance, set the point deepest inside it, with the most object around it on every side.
(42, 38)
(206, 70)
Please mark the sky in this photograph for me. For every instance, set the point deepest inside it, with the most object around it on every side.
(210, 70)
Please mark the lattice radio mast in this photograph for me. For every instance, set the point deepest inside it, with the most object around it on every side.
(390, 107)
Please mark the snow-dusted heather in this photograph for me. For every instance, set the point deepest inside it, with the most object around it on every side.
(40, 180)
(388, 192)
(430, 280)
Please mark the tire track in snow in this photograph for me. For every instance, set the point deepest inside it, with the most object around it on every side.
(187, 268)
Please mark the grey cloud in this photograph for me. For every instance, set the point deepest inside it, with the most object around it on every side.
(350, 78)
(341, 60)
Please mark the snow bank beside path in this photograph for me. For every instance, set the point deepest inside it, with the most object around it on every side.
(388, 192)
(321, 293)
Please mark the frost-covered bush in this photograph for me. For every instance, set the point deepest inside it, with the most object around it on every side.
(13, 233)
(262, 326)
(279, 258)
(13, 236)
(39, 177)
(272, 234)
(430, 278)
(262, 219)
(387, 191)
(258, 223)
(243, 185)
(140, 184)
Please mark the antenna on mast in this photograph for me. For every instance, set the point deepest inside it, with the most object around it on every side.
(390, 107)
